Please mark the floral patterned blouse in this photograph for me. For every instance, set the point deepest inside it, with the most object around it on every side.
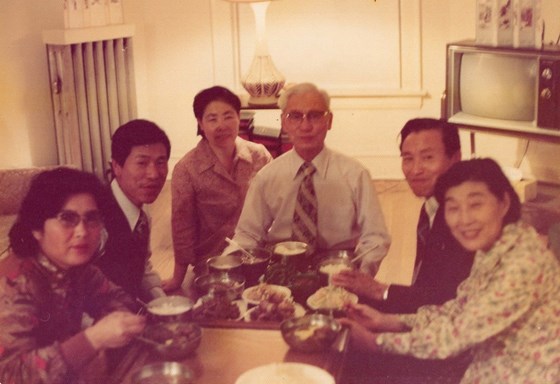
(41, 307)
(206, 199)
(507, 312)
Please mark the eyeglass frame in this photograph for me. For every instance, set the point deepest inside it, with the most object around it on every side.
(312, 119)
(92, 219)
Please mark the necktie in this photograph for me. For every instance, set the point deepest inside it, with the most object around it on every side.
(422, 232)
(304, 224)
(141, 231)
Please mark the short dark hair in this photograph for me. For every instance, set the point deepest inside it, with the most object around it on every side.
(486, 171)
(208, 95)
(47, 194)
(134, 133)
(449, 132)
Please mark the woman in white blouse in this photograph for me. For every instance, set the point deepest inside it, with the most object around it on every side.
(507, 312)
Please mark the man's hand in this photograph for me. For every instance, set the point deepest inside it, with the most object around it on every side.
(360, 283)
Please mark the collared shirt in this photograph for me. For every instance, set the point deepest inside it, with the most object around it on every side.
(151, 281)
(506, 311)
(431, 206)
(130, 210)
(349, 213)
(206, 199)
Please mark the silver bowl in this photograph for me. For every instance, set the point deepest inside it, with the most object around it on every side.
(169, 308)
(292, 253)
(173, 341)
(163, 373)
(219, 284)
(310, 333)
(225, 264)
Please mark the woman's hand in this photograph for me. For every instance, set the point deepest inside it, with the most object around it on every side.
(372, 319)
(360, 337)
(361, 283)
(115, 330)
(364, 315)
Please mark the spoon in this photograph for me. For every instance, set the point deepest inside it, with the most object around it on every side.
(363, 253)
(244, 251)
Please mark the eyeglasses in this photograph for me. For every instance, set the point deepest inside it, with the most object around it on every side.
(314, 117)
(71, 219)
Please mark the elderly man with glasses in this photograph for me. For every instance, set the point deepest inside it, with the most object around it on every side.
(312, 193)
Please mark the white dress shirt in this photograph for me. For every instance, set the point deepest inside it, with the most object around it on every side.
(349, 213)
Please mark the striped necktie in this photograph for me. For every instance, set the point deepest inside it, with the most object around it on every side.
(304, 224)
(141, 231)
(422, 233)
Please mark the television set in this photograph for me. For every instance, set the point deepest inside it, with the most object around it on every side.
(513, 90)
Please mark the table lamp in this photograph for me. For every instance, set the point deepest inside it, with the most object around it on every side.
(263, 81)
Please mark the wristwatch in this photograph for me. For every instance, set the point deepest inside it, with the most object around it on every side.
(386, 293)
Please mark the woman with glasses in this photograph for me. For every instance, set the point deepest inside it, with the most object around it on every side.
(506, 312)
(209, 183)
(47, 283)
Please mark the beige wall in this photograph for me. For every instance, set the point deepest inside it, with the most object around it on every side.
(179, 50)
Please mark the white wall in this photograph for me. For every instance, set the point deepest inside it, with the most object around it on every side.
(175, 56)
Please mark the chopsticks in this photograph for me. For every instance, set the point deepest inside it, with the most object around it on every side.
(240, 248)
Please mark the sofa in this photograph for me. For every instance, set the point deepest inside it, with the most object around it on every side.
(14, 184)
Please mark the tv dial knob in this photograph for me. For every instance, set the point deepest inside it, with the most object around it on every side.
(546, 74)
(546, 94)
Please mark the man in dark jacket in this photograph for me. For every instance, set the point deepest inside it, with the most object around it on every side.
(429, 147)
(139, 154)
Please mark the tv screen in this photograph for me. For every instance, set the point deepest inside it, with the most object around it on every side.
(498, 86)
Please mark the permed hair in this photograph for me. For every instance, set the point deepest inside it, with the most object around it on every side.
(485, 171)
(48, 193)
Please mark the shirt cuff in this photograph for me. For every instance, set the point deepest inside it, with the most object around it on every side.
(385, 296)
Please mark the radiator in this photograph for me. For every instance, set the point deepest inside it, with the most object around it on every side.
(93, 93)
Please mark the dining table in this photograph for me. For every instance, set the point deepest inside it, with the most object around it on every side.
(230, 348)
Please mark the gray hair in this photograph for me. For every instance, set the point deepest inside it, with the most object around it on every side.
(299, 89)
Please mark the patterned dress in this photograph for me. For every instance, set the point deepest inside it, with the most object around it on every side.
(507, 312)
(41, 308)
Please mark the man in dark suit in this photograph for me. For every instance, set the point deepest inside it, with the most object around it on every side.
(139, 154)
(429, 147)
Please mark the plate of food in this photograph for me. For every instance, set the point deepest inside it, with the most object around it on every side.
(269, 292)
(331, 298)
(295, 373)
(210, 307)
(269, 311)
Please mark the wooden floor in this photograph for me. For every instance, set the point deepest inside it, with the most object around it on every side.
(399, 205)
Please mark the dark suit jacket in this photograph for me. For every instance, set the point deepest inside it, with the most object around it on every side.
(445, 265)
(124, 260)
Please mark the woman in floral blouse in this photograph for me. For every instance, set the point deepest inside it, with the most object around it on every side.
(47, 283)
(506, 312)
(209, 183)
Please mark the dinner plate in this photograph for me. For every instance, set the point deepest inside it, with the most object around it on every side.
(299, 311)
(284, 373)
(254, 295)
(330, 298)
